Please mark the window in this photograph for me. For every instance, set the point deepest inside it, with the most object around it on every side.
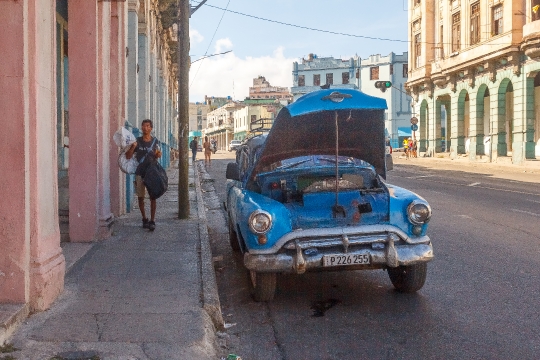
(475, 23)
(417, 50)
(317, 80)
(440, 47)
(329, 79)
(405, 70)
(301, 80)
(253, 118)
(391, 69)
(456, 32)
(374, 73)
(497, 15)
(345, 78)
(535, 10)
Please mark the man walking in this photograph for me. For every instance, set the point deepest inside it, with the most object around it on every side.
(193, 145)
(145, 146)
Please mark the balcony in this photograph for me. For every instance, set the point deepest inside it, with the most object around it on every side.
(531, 39)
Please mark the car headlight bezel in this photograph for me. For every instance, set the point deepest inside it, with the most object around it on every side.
(419, 212)
(254, 224)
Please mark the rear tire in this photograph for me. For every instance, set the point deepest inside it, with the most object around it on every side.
(233, 238)
(408, 279)
(262, 285)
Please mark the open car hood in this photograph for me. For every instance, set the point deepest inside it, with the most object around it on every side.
(308, 127)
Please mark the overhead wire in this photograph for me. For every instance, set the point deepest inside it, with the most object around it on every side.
(339, 33)
(209, 44)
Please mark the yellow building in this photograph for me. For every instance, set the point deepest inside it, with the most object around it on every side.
(474, 77)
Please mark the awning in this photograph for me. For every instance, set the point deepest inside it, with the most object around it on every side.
(404, 131)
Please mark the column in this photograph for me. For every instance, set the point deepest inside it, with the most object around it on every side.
(117, 56)
(90, 217)
(32, 265)
(143, 77)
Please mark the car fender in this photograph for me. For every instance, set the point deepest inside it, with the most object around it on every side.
(241, 203)
(400, 199)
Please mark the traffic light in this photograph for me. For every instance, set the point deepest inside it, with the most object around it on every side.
(383, 85)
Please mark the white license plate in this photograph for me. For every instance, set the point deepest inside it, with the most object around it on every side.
(346, 259)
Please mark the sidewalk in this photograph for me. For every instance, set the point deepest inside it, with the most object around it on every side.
(504, 169)
(137, 295)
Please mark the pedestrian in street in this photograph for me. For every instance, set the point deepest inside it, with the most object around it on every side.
(193, 145)
(406, 148)
(145, 146)
(410, 146)
(207, 151)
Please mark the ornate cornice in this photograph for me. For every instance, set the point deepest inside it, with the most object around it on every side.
(133, 5)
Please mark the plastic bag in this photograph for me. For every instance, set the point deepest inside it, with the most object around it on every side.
(129, 166)
(124, 138)
(155, 179)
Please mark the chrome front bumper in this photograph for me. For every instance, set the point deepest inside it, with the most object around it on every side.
(299, 257)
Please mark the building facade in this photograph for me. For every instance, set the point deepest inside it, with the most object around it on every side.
(262, 89)
(476, 91)
(254, 110)
(220, 124)
(314, 72)
(393, 68)
(72, 74)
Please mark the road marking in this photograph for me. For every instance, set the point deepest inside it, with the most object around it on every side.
(534, 201)
(474, 184)
(525, 212)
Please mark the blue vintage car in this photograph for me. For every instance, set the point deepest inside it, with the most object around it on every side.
(311, 195)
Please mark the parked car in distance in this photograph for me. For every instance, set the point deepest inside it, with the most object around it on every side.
(296, 205)
(234, 144)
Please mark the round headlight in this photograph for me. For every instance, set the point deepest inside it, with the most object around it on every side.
(260, 222)
(419, 212)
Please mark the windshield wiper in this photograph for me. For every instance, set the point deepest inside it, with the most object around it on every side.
(287, 166)
(332, 160)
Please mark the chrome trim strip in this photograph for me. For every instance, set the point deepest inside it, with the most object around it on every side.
(338, 233)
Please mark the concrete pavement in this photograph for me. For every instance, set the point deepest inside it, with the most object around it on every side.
(137, 295)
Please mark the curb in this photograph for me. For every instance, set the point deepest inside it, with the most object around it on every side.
(210, 296)
(11, 316)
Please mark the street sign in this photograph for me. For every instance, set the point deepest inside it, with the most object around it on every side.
(414, 127)
(414, 121)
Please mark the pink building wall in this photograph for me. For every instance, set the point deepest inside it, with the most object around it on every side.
(32, 265)
(90, 217)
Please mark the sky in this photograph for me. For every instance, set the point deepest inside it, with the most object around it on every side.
(266, 48)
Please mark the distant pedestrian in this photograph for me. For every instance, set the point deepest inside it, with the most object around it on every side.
(406, 147)
(207, 151)
(145, 146)
(193, 145)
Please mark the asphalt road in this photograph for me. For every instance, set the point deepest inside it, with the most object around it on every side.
(480, 300)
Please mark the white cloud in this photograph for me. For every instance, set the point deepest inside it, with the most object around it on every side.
(195, 36)
(223, 44)
(229, 75)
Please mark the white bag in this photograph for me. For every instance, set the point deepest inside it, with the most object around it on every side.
(124, 138)
(127, 165)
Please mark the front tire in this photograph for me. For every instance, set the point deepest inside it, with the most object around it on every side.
(408, 279)
(233, 238)
(262, 285)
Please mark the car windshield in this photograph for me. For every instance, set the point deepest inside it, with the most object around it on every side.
(316, 160)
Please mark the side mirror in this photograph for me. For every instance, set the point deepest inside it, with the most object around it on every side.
(389, 162)
(232, 172)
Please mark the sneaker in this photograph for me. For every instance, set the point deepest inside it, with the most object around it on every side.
(145, 223)
(151, 225)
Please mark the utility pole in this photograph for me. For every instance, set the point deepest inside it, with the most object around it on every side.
(184, 12)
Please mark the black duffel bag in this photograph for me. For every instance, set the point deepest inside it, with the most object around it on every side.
(155, 179)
